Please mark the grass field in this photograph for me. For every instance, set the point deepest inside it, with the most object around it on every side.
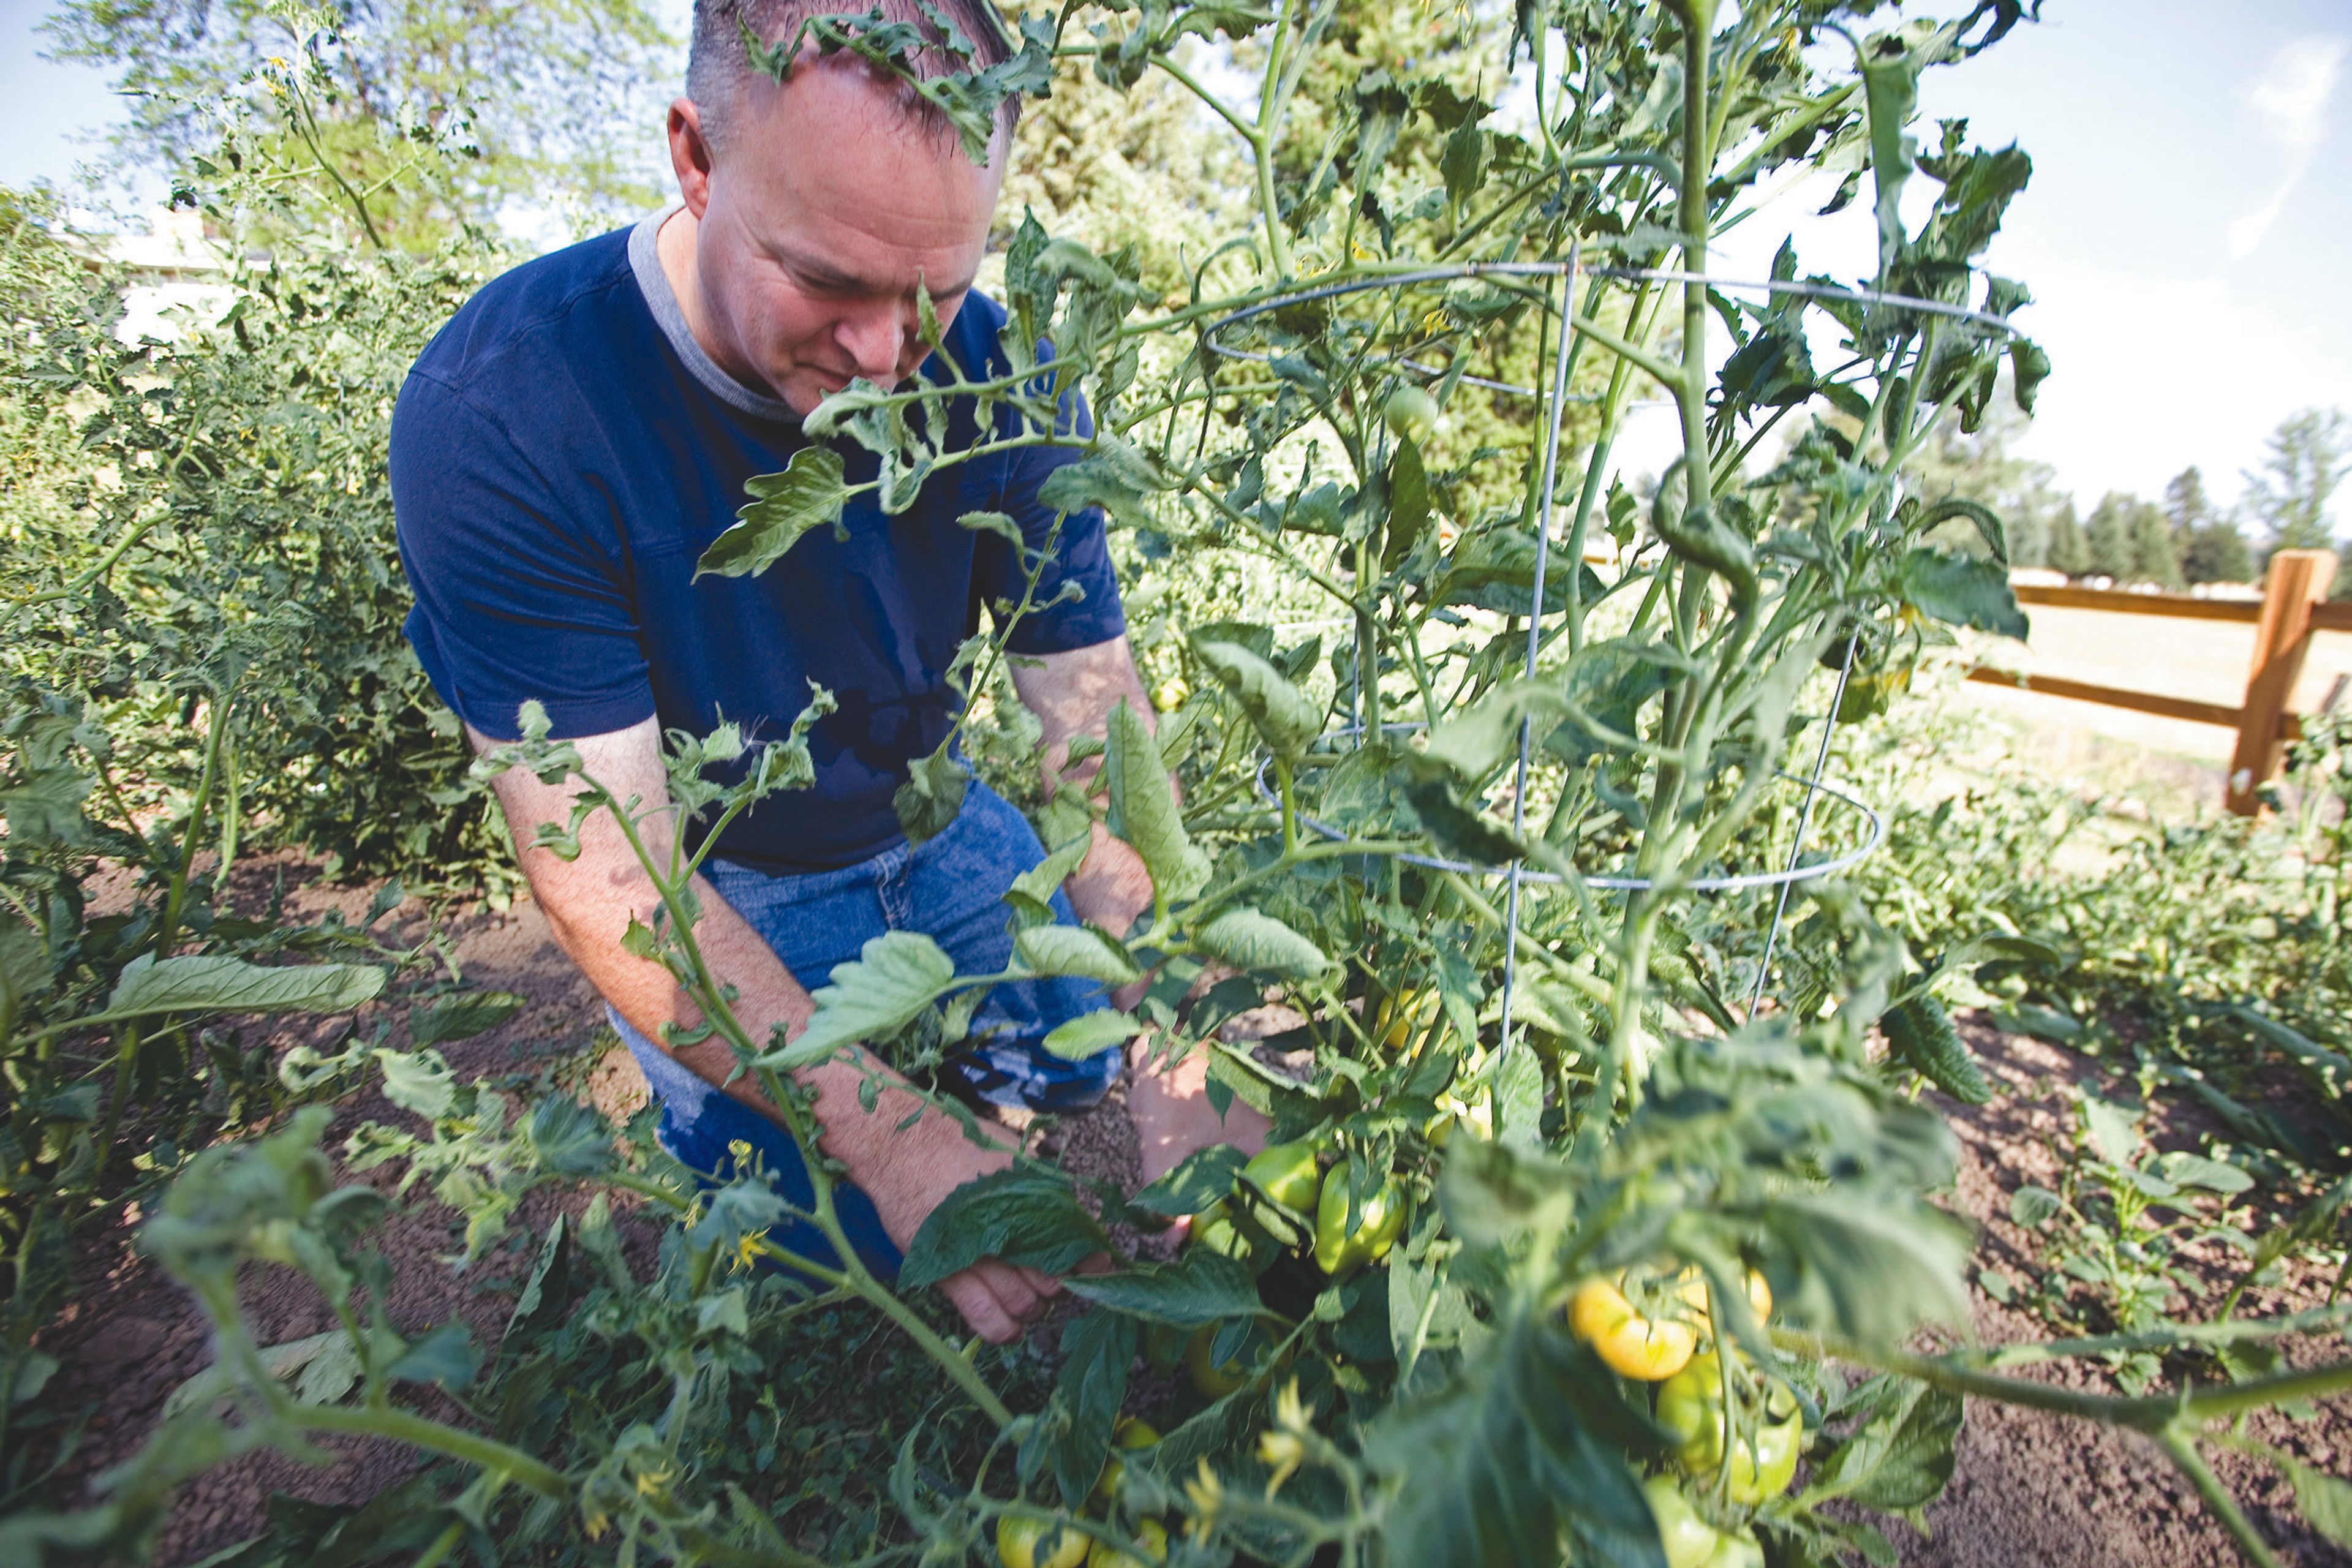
(2172, 766)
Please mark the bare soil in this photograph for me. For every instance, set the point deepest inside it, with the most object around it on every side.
(2030, 1490)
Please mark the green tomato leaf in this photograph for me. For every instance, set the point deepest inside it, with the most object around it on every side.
(1022, 1215)
(569, 1137)
(1961, 591)
(1923, 1036)
(927, 803)
(215, 983)
(460, 1017)
(447, 1356)
(2188, 1170)
(1528, 1442)
(1201, 1287)
(1248, 940)
(783, 507)
(1873, 1271)
(1089, 953)
(1096, 1352)
(2324, 1500)
(418, 1081)
(894, 977)
(1900, 1455)
(1090, 1034)
(2114, 1130)
(1408, 502)
(2030, 1207)
(25, 969)
(1282, 717)
(1198, 1180)
(1143, 812)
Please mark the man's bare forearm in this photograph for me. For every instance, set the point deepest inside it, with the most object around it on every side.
(590, 902)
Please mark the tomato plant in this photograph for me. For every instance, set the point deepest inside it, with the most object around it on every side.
(1512, 857)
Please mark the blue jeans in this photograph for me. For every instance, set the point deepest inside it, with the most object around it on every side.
(948, 888)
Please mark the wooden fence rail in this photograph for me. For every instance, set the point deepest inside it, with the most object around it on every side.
(2292, 607)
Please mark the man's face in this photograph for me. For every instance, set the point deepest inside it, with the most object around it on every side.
(829, 210)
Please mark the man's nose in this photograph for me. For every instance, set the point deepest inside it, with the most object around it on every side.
(873, 338)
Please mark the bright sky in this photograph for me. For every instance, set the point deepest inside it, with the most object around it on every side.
(2185, 236)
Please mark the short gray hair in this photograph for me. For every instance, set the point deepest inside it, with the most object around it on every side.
(719, 69)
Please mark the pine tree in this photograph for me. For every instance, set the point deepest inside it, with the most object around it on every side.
(2109, 536)
(2069, 550)
(2153, 560)
(2185, 506)
(2310, 457)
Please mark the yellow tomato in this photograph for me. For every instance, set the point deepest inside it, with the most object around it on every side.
(1692, 1288)
(1153, 1539)
(1169, 694)
(1649, 1349)
(1403, 1015)
(1021, 1543)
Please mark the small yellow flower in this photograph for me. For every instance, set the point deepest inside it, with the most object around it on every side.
(1285, 1453)
(1207, 1495)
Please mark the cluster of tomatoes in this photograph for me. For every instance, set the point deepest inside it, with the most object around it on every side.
(1657, 1330)
(1028, 1541)
(1294, 1225)
(1285, 1209)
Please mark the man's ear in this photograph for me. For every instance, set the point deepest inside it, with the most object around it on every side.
(690, 156)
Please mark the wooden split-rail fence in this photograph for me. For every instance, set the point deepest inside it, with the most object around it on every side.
(2293, 607)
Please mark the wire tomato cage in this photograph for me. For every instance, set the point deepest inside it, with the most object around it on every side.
(1796, 869)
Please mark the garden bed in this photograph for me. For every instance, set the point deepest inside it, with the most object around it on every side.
(2028, 1488)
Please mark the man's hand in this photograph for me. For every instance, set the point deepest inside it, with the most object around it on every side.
(1172, 1114)
(928, 1161)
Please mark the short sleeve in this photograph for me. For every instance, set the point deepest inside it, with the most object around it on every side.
(521, 592)
(1081, 557)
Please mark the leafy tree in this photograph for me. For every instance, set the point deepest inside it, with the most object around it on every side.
(1141, 167)
(2207, 542)
(2310, 455)
(561, 98)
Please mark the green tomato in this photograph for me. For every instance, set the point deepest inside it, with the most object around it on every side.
(1211, 1380)
(1411, 414)
(1337, 1249)
(1024, 1544)
(1736, 1550)
(1689, 1540)
(1690, 1405)
(1149, 1533)
(1286, 1173)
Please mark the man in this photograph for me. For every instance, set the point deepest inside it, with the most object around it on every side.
(564, 451)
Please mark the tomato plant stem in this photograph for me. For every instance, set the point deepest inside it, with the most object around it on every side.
(433, 1436)
(2179, 1446)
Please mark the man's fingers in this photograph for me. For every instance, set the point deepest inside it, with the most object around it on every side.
(981, 1309)
(1015, 1289)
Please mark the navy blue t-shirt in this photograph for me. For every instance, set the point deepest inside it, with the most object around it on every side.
(564, 451)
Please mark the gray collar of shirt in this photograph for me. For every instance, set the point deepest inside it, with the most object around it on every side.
(662, 301)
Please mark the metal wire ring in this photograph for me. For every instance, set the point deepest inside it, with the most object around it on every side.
(1790, 875)
(1554, 269)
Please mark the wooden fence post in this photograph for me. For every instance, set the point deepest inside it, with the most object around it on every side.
(2298, 579)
